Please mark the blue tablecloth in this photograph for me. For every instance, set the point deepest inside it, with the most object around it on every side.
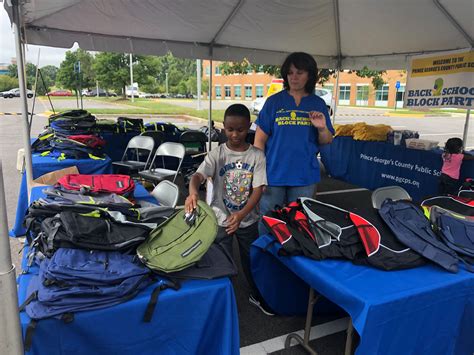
(425, 310)
(376, 164)
(43, 165)
(200, 318)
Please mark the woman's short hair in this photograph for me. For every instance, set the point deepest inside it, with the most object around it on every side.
(301, 61)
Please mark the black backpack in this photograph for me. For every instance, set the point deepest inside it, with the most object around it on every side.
(127, 124)
(319, 231)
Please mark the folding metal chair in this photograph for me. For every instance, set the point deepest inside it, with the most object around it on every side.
(165, 169)
(132, 159)
(394, 193)
(166, 193)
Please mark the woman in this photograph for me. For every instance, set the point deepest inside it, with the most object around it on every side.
(290, 128)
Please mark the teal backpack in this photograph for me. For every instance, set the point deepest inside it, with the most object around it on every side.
(180, 241)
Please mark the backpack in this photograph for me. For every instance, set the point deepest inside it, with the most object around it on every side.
(170, 131)
(319, 230)
(76, 280)
(126, 124)
(89, 140)
(456, 231)
(72, 122)
(180, 241)
(99, 183)
(412, 228)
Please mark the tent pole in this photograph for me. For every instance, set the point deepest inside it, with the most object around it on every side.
(23, 101)
(199, 77)
(466, 127)
(336, 97)
(10, 329)
(210, 103)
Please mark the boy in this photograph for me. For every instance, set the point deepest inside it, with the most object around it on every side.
(237, 170)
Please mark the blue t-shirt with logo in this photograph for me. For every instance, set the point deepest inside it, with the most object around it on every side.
(292, 143)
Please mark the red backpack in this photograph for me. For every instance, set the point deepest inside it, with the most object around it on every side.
(118, 184)
(88, 139)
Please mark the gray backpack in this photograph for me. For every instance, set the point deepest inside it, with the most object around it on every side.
(180, 241)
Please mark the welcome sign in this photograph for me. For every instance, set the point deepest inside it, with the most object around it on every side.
(442, 80)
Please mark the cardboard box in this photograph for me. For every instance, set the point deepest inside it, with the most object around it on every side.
(53, 177)
(422, 144)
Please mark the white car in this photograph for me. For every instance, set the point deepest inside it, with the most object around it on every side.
(16, 93)
(325, 94)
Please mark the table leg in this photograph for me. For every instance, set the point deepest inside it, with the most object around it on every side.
(307, 329)
(349, 338)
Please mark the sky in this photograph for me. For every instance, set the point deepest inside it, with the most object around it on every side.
(48, 55)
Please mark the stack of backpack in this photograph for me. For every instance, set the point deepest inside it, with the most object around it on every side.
(95, 247)
(72, 122)
(83, 146)
(74, 280)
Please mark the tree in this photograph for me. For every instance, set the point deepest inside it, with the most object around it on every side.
(377, 79)
(68, 78)
(7, 82)
(30, 73)
(113, 71)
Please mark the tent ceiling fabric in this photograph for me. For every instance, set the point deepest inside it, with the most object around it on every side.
(376, 33)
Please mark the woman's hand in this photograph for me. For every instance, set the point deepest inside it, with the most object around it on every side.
(191, 203)
(233, 222)
(317, 119)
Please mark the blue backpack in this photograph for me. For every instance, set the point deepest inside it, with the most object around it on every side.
(76, 280)
(412, 228)
(455, 230)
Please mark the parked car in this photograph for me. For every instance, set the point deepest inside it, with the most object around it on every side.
(102, 93)
(16, 93)
(258, 103)
(59, 93)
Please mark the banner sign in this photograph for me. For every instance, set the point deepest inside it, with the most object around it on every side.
(442, 80)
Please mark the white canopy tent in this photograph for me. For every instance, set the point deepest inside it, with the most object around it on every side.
(377, 33)
(340, 34)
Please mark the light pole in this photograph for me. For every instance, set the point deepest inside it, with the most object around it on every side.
(166, 83)
(131, 77)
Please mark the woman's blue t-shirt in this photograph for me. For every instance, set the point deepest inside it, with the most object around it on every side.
(292, 143)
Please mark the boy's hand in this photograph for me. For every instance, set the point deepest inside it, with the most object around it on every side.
(191, 203)
(317, 119)
(233, 222)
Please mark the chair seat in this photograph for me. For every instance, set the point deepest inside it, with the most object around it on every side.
(157, 174)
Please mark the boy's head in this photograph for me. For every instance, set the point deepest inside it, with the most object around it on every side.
(236, 124)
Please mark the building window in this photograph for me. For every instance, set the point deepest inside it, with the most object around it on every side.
(248, 91)
(217, 70)
(208, 70)
(382, 93)
(362, 98)
(259, 90)
(218, 91)
(227, 91)
(237, 91)
(344, 94)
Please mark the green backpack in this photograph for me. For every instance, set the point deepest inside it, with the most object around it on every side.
(178, 243)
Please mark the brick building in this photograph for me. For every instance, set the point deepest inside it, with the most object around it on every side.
(353, 90)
